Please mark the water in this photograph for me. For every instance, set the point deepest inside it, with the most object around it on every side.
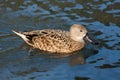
(101, 18)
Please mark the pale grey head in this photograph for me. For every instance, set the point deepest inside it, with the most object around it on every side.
(79, 32)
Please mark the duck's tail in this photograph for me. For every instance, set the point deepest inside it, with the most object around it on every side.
(23, 36)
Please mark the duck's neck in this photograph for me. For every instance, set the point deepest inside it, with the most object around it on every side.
(78, 39)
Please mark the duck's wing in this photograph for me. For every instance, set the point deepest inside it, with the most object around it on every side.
(50, 34)
(52, 40)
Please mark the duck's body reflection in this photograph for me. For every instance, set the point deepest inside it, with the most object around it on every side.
(77, 58)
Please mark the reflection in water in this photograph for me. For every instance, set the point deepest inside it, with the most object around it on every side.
(77, 60)
(64, 9)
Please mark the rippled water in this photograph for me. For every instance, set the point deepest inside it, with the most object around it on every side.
(102, 19)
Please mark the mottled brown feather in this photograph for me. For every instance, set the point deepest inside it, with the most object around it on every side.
(55, 40)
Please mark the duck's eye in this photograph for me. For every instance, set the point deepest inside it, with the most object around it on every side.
(81, 30)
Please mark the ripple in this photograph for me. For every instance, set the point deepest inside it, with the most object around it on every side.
(96, 62)
(106, 66)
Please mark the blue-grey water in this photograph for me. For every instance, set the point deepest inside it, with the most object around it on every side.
(94, 62)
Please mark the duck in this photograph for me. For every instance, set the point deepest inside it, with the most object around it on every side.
(56, 40)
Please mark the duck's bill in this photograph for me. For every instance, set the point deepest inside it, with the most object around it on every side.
(90, 40)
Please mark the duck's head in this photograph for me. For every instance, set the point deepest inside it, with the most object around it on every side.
(79, 32)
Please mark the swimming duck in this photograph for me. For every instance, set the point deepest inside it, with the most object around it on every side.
(55, 40)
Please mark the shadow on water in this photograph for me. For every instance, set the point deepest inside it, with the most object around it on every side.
(101, 18)
(81, 78)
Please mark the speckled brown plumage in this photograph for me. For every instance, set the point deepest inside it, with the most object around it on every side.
(53, 40)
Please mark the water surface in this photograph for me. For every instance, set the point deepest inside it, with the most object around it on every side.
(101, 18)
